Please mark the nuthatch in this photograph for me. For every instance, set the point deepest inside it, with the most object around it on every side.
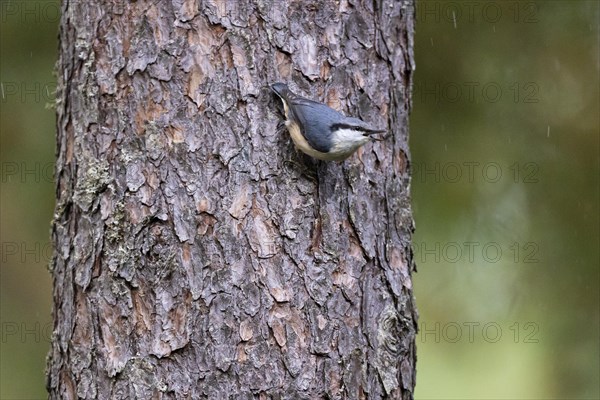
(320, 131)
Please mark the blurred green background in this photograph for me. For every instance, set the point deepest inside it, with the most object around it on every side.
(505, 149)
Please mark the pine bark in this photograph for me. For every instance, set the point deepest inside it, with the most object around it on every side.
(197, 253)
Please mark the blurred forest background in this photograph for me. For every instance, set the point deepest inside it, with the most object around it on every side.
(505, 157)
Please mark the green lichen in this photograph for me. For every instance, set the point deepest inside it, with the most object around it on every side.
(94, 179)
(115, 224)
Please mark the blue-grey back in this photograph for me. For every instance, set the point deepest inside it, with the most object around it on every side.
(316, 120)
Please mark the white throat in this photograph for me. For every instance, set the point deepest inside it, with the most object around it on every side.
(347, 140)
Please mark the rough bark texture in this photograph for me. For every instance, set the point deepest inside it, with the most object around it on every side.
(197, 254)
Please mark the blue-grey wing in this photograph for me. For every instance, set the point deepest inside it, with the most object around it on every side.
(316, 119)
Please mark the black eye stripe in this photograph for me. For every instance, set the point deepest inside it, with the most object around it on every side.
(346, 126)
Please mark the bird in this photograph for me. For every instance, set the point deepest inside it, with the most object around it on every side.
(320, 131)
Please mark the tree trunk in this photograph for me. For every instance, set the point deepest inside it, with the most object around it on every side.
(197, 253)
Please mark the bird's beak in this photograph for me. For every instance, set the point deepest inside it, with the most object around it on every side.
(376, 132)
